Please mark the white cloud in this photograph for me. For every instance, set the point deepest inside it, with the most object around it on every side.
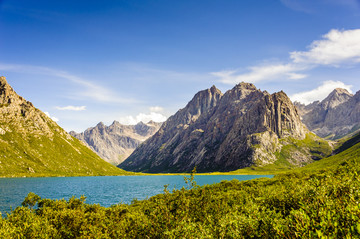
(89, 90)
(261, 73)
(53, 118)
(295, 76)
(154, 115)
(297, 5)
(337, 48)
(71, 107)
(319, 93)
(156, 109)
(131, 120)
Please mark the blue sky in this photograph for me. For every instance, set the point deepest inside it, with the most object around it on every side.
(128, 60)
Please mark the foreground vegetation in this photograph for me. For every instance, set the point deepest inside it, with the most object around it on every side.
(297, 205)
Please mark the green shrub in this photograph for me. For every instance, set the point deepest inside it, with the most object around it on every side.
(298, 205)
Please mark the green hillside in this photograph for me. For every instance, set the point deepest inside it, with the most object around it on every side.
(33, 145)
(347, 142)
(36, 156)
(313, 146)
(348, 150)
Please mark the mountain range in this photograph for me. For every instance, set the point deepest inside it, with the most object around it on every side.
(224, 132)
(334, 117)
(244, 127)
(32, 144)
(116, 142)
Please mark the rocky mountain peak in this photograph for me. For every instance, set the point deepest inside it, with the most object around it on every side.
(7, 94)
(3, 81)
(206, 98)
(141, 128)
(335, 98)
(243, 127)
(334, 117)
(151, 122)
(100, 125)
(115, 123)
(140, 123)
(246, 86)
(341, 91)
(201, 103)
(12, 105)
(116, 142)
(241, 91)
(215, 90)
(304, 109)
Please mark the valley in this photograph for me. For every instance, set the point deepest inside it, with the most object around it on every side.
(242, 132)
(179, 119)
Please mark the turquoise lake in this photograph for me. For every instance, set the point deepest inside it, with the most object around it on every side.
(106, 191)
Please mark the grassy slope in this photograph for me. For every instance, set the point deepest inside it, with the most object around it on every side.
(316, 146)
(37, 156)
(348, 150)
(346, 143)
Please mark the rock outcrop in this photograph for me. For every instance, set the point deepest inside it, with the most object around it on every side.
(33, 144)
(116, 142)
(216, 132)
(334, 117)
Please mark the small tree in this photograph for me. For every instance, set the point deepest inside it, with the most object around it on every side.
(190, 182)
(31, 200)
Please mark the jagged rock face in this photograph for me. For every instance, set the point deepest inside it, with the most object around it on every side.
(32, 143)
(15, 108)
(217, 132)
(116, 142)
(335, 98)
(334, 117)
(304, 109)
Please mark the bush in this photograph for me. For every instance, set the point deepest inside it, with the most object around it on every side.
(297, 205)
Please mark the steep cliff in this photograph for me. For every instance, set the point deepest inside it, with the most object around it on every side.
(217, 132)
(31, 144)
(116, 142)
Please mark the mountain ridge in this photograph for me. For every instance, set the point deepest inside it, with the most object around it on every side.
(114, 143)
(334, 117)
(243, 127)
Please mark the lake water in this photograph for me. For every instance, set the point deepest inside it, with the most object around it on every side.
(105, 191)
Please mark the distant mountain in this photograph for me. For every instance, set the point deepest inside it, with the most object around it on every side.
(224, 132)
(116, 142)
(31, 144)
(334, 117)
